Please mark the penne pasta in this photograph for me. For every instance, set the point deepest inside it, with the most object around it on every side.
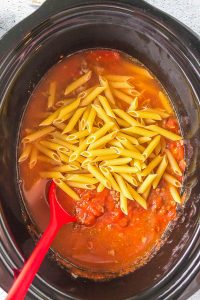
(33, 158)
(63, 186)
(63, 157)
(51, 174)
(128, 145)
(81, 185)
(64, 143)
(102, 141)
(131, 92)
(74, 120)
(98, 152)
(158, 149)
(110, 178)
(63, 119)
(171, 179)
(105, 157)
(78, 150)
(125, 116)
(151, 166)
(165, 102)
(118, 77)
(52, 94)
(66, 168)
(102, 115)
(37, 134)
(48, 152)
(143, 139)
(116, 162)
(123, 187)
(106, 106)
(120, 84)
(122, 96)
(139, 131)
(77, 83)
(92, 96)
(77, 135)
(166, 133)
(123, 204)
(129, 178)
(68, 108)
(128, 153)
(99, 133)
(54, 146)
(107, 92)
(123, 136)
(85, 93)
(146, 183)
(134, 105)
(83, 178)
(144, 114)
(137, 197)
(175, 194)
(86, 162)
(90, 119)
(64, 102)
(122, 169)
(160, 171)
(97, 174)
(145, 195)
(25, 153)
(151, 146)
(84, 118)
(100, 188)
(47, 160)
(59, 126)
(122, 122)
(49, 120)
(173, 163)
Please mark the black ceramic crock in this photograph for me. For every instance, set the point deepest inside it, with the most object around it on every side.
(171, 52)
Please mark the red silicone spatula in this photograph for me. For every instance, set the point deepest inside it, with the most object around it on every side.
(58, 217)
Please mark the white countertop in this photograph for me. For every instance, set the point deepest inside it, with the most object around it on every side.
(187, 11)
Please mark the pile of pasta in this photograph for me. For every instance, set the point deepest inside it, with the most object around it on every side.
(90, 143)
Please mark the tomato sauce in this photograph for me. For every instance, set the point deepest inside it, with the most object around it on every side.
(105, 242)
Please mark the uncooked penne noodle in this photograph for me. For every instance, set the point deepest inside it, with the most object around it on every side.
(81, 185)
(59, 126)
(145, 115)
(85, 117)
(128, 153)
(98, 174)
(128, 145)
(137, 164)
(140, 148)
(122, 122)
(102, 141)
(139, 131)
(107, 92)
(37, 134)
(116, 162)
(122, 96)
(171, 179)
(47, 152)
(52, 94)
(63, 186)
(115, 143)
(98, 152)
(33, 158)
(122, 169)
(165, 102)
(105, 157)
(66, 168)
(77, 135)
(25, 152)
(54, 146)
(145, 195)
(166, 133)
(158, 149)
(129, 178)
(175, 194)
(134, 105)
(110, 178)
(51, 174)
(160, 171)
(74, 120)
(150, 122)
(125, 116)
(102, 115)
(77, 83)
(63, 119)
(83, 178)
(151, 146)
(137, 197)
(100, 187)
(99, 133)
(65, 144)
(146, 183)
(63, 157)
(173, 163)
(123, 204)
(123, 186)
(118, 77)
(125, 136)
(143, 139)
(92, 96)
(85, 93)
(90, 119)
(68, 108)
(158, 111)
(49, 120)
(106, 106)
(64, 102)
(151, 166)
(120, 84)
(47, 160)
(138, 70)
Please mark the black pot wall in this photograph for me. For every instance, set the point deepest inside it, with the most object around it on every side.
(171, 52)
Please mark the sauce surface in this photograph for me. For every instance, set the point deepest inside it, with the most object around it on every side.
(105, 240)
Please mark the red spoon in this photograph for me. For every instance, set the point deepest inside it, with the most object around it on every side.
(58, 217)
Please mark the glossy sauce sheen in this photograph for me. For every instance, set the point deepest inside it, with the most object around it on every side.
(105, 240)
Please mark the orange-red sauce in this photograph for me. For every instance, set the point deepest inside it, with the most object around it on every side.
(104, 240)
